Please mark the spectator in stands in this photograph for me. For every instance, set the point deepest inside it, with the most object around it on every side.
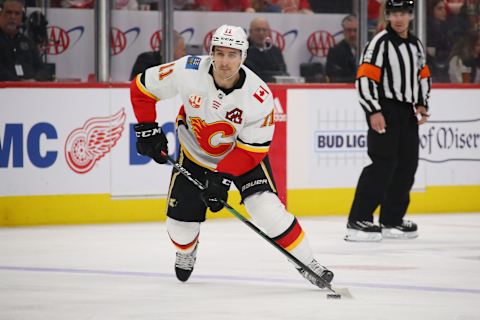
(464, 66)
(457, 19)
(374, 13)
(153, 58)
(293, 6)
(381, 22)
(438, 41)
(19, 56)
(184, 5)
(341, 60)
(337, 6)
(225, 5)
(265, 6)
(88, 4)
(263, 57)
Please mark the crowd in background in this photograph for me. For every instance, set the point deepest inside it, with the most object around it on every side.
(453, 41)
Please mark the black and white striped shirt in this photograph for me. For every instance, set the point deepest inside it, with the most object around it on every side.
(393, 68)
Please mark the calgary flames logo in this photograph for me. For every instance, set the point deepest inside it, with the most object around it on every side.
(206, 132)
(87, 145)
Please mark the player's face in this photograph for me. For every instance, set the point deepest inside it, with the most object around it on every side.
(399, 21)
(350, 32)
(259, 31)
(227, 61)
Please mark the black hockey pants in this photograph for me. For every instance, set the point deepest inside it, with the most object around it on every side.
(387, 181)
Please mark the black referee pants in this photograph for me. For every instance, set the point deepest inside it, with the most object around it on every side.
(387, 181)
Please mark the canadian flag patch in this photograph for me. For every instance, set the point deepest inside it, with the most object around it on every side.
(261, 94)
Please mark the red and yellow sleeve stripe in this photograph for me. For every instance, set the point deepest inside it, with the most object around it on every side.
(143, 101)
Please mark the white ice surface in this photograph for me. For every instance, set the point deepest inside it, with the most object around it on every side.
(125, 271)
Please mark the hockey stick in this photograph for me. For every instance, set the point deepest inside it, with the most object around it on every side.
(237, 214)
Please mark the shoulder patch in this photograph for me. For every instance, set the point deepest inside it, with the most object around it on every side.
(261, 94)
(193, 62)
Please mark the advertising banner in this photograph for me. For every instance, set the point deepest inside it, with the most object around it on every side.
(302, 38)
(332, 149)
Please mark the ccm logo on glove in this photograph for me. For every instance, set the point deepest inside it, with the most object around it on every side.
(148, 133)
(151, 141)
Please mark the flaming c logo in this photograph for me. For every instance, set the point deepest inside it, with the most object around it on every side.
(88, 144)
(205, 132)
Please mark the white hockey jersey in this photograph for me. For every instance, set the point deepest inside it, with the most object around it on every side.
(211, 124)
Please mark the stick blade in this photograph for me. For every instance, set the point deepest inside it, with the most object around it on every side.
(343, 292)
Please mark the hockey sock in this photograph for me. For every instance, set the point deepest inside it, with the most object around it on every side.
(270, 214)
(184, 235)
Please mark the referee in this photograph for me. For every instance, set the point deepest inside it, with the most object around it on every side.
(393, 85)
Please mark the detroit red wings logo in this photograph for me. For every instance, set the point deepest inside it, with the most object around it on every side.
(88, 144)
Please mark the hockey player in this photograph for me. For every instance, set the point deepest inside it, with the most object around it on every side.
(225, 128)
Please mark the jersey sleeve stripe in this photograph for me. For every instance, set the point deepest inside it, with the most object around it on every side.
(181, 117)
(191, 158)
(252, 148)
(143, 89)
(370, 71)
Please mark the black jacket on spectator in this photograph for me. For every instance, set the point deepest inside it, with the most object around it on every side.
(266, 63)
(20, 51)
(438, 38)
(338, 6)
(341, 66)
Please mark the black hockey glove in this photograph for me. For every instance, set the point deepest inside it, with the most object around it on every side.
(217, 189)
(151, 141)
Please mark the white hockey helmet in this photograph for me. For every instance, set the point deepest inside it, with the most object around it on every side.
(230, 37)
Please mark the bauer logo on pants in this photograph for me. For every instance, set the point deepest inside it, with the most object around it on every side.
(88, 144)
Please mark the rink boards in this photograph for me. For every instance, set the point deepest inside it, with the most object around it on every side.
(67, 153)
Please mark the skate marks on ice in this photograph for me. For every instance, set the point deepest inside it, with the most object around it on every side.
(126, 272)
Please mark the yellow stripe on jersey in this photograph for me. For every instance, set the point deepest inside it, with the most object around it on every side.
(191, 158)
(180, 117)
(250, 148)
(143, 89)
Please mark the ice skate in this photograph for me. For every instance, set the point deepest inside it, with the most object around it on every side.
(363, 231)
(323, 272)
(406, 230)
(184, 263)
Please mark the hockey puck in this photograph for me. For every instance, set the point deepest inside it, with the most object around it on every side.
(333, 296)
